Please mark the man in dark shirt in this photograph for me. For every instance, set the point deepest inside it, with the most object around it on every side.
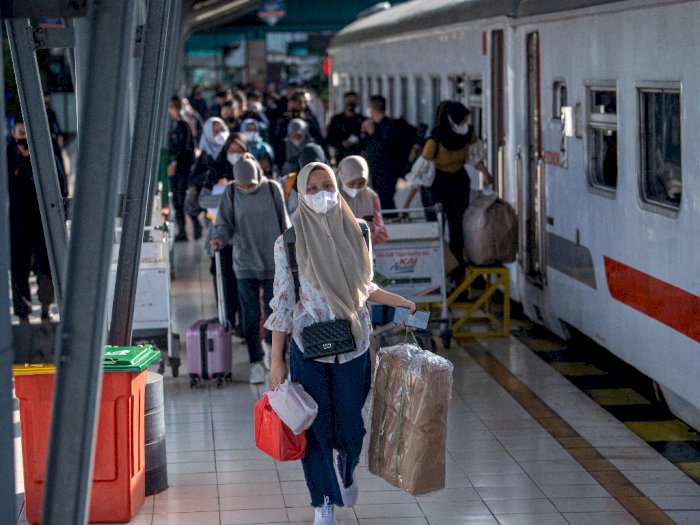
(382, 150)
(181, 160)
(344, 129)
(198, 103)
(26, 231)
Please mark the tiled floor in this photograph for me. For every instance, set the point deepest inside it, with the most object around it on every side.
(513, 457)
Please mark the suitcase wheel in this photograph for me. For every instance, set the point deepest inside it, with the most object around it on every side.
(220, 381)
(194, 381)
(229, 377)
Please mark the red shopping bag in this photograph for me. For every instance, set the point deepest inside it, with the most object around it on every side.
(274, 437)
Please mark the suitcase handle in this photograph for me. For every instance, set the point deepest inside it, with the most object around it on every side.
(221, 301)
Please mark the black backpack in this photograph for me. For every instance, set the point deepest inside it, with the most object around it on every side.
(289, 238)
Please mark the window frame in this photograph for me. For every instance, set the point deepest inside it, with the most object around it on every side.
(601, 122)
(419, 104)
(557, 102)
(674, 87)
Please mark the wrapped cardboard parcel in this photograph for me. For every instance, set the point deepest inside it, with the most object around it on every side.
(412, 390)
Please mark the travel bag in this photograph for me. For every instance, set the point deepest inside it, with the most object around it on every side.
(209, 352)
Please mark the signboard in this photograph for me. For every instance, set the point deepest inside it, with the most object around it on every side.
(272, 12)
(412, 269)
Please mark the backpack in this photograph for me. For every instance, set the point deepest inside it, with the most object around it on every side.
(289, 238)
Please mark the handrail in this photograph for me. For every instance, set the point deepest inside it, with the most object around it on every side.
(522, 219)
(501, 171)
(541, 219)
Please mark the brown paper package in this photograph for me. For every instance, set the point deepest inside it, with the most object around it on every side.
(409, 418)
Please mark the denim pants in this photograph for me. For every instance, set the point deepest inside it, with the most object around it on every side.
(340, 391)
(249, 297)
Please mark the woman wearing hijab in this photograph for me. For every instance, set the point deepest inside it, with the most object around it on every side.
(214, 136)
(297, 137)
(258, 147)
(363, 201)
(448, 146)
(250, 217)
(216, 179)
(335, 283)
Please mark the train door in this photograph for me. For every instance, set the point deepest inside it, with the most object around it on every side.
(498, 129)
(534, 259)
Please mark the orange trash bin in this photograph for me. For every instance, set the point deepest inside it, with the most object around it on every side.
(118, 478)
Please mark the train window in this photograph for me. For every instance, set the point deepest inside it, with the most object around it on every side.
(660, 129)
(436, 94)
(404, 98)
(457, 84)
(380, 86)
(558, 98)
(420, 102)
(370, 88)
(352, 84)
(602, 138)
(391, 97)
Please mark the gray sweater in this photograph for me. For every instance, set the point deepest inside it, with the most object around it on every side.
(251, 222)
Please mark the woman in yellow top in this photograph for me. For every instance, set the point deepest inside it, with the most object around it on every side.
(448, 146)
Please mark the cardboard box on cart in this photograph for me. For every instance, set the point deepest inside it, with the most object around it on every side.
(118, 484)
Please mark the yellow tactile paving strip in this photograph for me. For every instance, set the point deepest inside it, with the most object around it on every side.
(672, 430)
(607, 474)
(617, 396)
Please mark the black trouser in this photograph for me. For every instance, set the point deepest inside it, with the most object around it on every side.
(27, 241)
(178, 186)
(452, 191)
(229, 282)
(249, 297)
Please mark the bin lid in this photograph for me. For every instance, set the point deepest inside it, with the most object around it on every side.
(33, 369)
(128, 358)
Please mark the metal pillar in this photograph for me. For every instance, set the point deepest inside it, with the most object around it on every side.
(141, 167)
(110, 35)
(7, 451)
(174, 29)
(31, 97)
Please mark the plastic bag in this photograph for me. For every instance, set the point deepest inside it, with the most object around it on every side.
(275, 438)
(490, 230)
(422, 172)
(412, 390)
(294, 406)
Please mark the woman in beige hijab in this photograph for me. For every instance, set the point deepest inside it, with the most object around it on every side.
(353, 172)
(335, 277)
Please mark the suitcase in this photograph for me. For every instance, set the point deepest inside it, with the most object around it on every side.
(209, 352)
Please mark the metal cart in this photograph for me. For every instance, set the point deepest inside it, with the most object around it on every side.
(412, 262)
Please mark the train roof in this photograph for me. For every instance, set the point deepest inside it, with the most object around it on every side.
(417, 15)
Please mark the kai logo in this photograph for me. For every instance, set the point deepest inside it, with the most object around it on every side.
(404, 265)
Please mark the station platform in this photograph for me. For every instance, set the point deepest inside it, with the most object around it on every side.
(524, 446)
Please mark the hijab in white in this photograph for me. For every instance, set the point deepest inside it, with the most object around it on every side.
(209, 143)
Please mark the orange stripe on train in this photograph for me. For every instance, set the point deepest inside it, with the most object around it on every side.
(660, 300)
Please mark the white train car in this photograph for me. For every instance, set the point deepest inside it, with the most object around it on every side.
(589, 112)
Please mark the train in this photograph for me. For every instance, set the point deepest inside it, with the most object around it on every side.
(588, 111)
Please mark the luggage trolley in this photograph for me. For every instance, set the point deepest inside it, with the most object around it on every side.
(412, 262)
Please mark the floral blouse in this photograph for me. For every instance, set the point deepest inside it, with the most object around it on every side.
(312, 307)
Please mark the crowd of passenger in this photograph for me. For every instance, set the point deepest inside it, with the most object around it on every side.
(260, 139)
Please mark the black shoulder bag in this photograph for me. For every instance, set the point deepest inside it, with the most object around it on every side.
(328, 338)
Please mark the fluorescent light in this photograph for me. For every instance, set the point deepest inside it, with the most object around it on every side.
(219, 10)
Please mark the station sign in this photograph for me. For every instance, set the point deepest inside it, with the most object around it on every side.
(272, 12)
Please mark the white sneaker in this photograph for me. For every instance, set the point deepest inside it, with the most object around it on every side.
(267, 354)
(257, 374)
(349, 494)
(324, 515)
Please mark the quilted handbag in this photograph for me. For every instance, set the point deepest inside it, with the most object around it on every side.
(327, 338)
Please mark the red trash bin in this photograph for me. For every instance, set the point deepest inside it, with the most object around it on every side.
(118, 481)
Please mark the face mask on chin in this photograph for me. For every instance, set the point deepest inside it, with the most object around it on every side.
(220, 138)
(322, 202)
(462, 129)
(233, 157)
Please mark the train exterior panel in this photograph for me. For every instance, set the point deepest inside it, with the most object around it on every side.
(610, 213)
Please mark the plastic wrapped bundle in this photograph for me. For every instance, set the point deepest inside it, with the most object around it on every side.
(412, 390)
(490, 230)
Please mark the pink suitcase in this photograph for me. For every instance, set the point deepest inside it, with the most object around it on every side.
(209, 352)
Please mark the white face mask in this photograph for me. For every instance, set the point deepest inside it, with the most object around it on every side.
(252, 136)
(220, 139)
(368, 113)
(233, 157)
(322, 202)
(462, 129)
(352, 192)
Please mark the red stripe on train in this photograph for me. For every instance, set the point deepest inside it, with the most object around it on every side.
(660, 300)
